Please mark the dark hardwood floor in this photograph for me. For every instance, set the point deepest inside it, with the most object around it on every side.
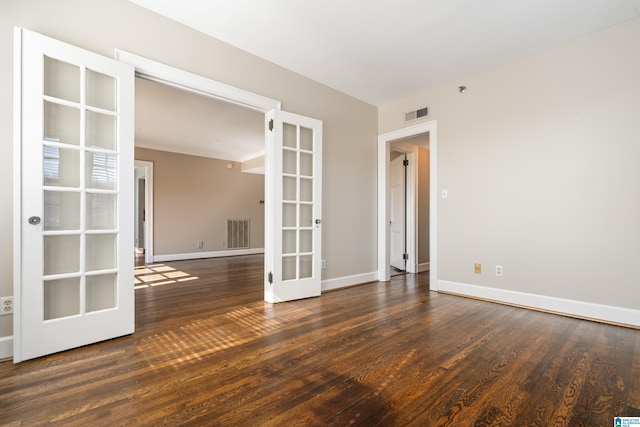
(209, 352)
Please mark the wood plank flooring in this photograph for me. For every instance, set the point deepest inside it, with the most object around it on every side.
(209, 352)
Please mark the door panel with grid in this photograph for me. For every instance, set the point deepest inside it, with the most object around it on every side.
(295, 160)
(76, 142)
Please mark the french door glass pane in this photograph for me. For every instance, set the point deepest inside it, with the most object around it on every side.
(101, 170)
(289, 268)
(306, 190)
(101, 90)
(101, 292)
(289, 215)
(61, 123)
(61, 80)
(289, 242)
(306, 164)
(61, 298)
(61, 211)
(306, 215)
(306, 138)
(289, 135)
(101, 211)
(306, 241)
(289, 189)
(306, 266)
(100, 131)
(289, 162)
(61, 167)
(101, 252)
(61, 254)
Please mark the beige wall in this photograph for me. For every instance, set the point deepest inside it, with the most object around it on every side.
(194, 196)
(423, 205)
(540, 159)
(350, 126)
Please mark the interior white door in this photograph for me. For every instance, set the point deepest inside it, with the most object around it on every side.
(293, 207)
(398, 213)
(74, 261)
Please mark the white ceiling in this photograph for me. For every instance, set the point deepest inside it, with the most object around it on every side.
(374, 50)
(378, 50)
(171, 119)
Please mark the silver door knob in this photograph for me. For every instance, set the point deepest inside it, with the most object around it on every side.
(318, 221)
(34, 220)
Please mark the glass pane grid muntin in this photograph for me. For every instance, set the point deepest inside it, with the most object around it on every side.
(298, 266)
(79, 84)
(298, 137)
(298, 177)
(80, 299)
(301, 186)
(68, 289)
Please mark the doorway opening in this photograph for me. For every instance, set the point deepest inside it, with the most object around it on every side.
(143, 208)
(409, 204)
(180, 79)
(209, 159)
(293, 154)
(419, 144)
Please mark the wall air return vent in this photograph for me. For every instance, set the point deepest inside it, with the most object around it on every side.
(416, 114)
(237, 234)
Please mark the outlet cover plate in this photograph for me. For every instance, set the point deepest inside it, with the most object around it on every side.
(6, 305)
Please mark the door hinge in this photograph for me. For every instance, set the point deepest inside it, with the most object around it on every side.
(405, 256)
(271, 125)
(270, 278)
(405, 162)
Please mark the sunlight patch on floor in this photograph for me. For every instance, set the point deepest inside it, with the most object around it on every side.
(198, 339)
(158, 275)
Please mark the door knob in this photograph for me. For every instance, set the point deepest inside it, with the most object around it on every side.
(34, 220)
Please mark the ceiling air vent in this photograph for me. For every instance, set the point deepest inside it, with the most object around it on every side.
(417, 114)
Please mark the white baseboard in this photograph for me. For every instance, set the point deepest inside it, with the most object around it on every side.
(214, 254)
(6, 347)
(422, 267)
(581, 309)
(342, 282)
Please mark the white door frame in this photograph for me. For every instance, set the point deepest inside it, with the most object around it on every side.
(384, 149)
(148, 207)
(181, 79)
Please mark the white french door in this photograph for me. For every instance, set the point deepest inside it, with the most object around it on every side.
(293, 207)
(74, 262)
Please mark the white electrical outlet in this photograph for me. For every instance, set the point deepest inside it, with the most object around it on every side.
(323, 264)
(200, 244)
(6, 305)
(498, 270)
